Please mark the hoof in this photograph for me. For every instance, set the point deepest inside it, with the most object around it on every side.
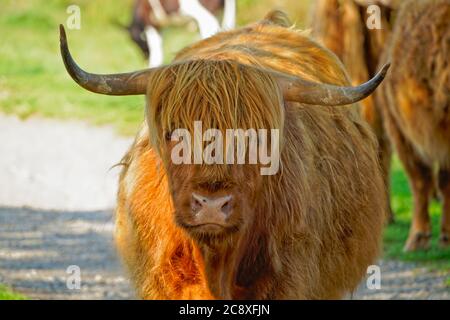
(444, 241)
(418, 241)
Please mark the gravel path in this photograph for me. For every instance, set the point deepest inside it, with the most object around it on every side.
(56, 195)
(63, 171)
(49, 164)
(38, 246)
(407, 281)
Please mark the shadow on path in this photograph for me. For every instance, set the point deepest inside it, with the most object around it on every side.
(37, 247)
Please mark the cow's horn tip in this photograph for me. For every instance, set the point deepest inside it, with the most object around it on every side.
(385, 69)
(62, 33)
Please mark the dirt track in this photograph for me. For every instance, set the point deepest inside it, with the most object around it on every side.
(55, 211)
(37, 247)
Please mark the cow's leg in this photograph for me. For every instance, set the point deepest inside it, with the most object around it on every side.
(154, 41)
(229, 15)
(158, 10)
(206, 21)
(444, 187)
(421, 181)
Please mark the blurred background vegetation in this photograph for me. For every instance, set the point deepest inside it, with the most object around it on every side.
(33, 81)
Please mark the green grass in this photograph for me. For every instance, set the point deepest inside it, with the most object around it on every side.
(8, 294)
(32, 77)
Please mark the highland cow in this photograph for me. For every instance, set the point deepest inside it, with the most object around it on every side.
(225, 231)
(341, 26)
(416, 112)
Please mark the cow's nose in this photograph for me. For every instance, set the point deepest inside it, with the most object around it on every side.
(211, 209)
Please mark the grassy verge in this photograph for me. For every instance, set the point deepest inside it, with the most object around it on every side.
(32, 77)
(8, 294)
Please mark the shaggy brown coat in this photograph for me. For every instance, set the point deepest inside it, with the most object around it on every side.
(309, 232)
(340, 25)
(416, 97)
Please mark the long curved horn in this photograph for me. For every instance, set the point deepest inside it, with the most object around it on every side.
(132, 83)
(299, 90)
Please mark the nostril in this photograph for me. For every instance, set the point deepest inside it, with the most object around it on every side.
(226, 208)
(195, 205)
(211, 205)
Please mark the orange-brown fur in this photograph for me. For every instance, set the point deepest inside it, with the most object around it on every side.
(340, 25)
(308, 232)
(416, 96)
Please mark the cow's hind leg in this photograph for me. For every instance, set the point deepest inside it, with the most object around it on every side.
(421, 181)
(155, 45)
(206, 21)
(229, 15)
(444, 188)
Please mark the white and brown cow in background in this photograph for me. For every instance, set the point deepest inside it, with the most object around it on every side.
(150, 16)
